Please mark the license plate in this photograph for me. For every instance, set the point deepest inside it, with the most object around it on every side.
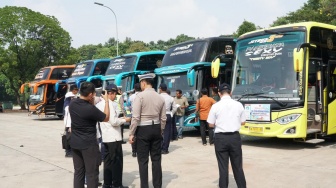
(256, 129)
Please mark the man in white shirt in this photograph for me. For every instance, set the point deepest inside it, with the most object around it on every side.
(112, 140)
(227, 116)
(170, 109)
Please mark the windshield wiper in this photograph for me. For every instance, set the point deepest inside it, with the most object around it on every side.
(263, 96)
(248, 95)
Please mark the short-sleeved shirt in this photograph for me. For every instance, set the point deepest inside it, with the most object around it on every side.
(204, 105)
(148, 105)
(183, 101)
(84, 117)
(227, 115)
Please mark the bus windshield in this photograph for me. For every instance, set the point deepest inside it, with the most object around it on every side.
(185, 53)
(264, 65)
(178, 81)
(38, 97)
(42, 74)
(82, 69)
(121, 64)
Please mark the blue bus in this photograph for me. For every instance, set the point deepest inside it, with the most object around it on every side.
(82, 71)
(123, 70)
(187, 66)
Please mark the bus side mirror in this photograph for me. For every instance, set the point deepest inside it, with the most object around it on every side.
(298, 56)
(191, 78)
(215, 64)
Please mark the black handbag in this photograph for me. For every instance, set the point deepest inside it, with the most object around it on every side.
(66, 140)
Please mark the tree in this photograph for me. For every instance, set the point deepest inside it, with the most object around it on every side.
(28, 42)
(245, 27)
(137, 47)
(314, 10)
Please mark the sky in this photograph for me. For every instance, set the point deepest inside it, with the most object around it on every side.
(153, 20)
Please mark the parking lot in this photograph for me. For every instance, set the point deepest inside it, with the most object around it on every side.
(31, 156)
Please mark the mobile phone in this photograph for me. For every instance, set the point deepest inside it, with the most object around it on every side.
(103, 92)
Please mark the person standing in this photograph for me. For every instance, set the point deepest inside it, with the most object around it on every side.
(182, 103)
(121, 110)
(148, 122)
(85, 150)
(111, 138)
(215, 95)
(137, 90)
(227, 116)
(170, 109)
(67, 120)
(203, 105)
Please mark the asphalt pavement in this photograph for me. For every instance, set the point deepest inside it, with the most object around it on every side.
(31, 156)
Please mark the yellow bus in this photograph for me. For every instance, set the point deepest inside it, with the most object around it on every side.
(285, 77)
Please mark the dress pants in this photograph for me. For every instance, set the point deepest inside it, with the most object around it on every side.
(148, 141)
(173, 134)
(86, 163)
(228, 146)
(113, 164)
(167, 133)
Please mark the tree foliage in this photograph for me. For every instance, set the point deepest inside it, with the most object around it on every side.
(245, 27)
(29, 41)
(314, 10)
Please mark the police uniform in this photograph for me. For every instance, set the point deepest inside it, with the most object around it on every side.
(148, 122)
(228, 115)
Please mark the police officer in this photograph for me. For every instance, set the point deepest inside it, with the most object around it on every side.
(227, 116)
(147, 124)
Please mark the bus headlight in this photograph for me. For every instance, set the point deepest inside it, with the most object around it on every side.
(287, 119)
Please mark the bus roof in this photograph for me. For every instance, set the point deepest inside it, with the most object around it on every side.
(293, 25)
(203, 39)
(142, 53)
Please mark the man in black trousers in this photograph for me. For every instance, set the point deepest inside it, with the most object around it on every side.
(149, 120)
(227, 116)
(85, 150)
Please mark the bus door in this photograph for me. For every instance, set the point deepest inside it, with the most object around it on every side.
(60, 94)
(330, 97)
(314, 98)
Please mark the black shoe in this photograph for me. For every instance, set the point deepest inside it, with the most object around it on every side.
(68, 155)
(121, 187)
(164, 152)
(133, 154)
(107, 186)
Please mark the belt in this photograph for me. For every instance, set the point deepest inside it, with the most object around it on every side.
(228, 133)
(149, 122)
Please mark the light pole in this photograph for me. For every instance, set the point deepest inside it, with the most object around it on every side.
(100, 4)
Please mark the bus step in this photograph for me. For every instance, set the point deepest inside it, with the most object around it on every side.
(315, 141)
(311, 131)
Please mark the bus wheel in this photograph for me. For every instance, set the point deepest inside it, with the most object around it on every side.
(60, 116)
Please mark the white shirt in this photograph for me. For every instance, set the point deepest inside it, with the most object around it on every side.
(131, 99)
(111, 131)
(67, 118)
(227, 115)
(170, 103)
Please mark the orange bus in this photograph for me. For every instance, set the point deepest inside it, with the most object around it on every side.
(43, 99)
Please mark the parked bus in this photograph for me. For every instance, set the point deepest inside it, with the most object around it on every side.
(82, 71)
(43, 98)
(285, 77)
(187, 66)
(123, 70)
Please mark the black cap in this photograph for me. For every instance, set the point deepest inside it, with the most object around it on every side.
(163, 86)
(223, 87)
(111, 87)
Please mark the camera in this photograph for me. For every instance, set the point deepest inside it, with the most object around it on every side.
(103, 92)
